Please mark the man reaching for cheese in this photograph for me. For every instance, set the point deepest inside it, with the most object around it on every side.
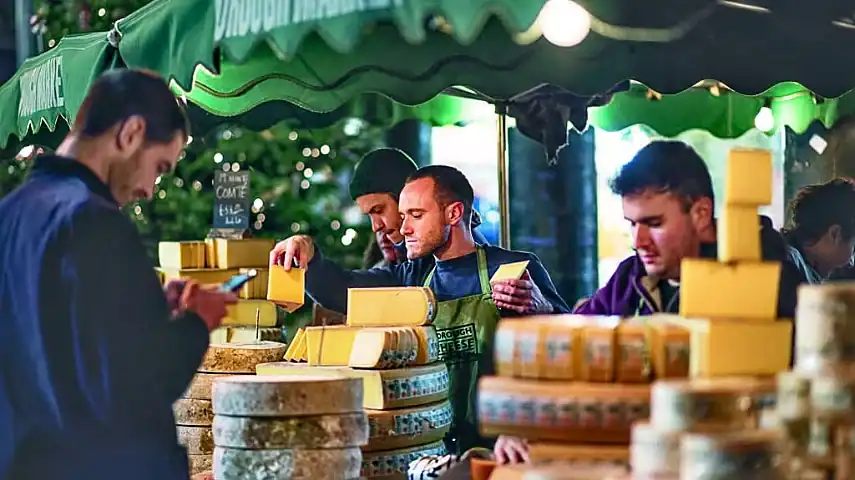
(668, 199)
(92, 352)
(435, 207)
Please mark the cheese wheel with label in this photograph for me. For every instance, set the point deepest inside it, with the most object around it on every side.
(428, 349)
(325, 464)
(325, 431)
(197, 440)
(395, 463)
(406, 427)
(283, 396)
(241, 357)
(193, 412)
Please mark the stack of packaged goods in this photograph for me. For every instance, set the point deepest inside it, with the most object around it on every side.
(711, 427)
(816, 406)
(193, 411)
(573, 385)
(389, 345)
(215, 261)
(288, 427)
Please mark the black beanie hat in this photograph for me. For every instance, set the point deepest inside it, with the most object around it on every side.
(381, 171)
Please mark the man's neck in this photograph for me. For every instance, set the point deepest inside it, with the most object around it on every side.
(460, 243)
(83, 152)
(812, 257)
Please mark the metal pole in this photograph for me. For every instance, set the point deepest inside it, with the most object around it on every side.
(502, 161)
(23, 39)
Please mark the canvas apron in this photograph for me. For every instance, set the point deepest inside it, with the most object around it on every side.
(465, 328)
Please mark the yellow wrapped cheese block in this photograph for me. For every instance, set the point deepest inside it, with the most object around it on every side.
(739, 291)
(727, 348)
(407, 427)
(242, 253)
(748, 180)
(739, 234)
(597, 413)
(180, 255)
(286, 288)
(257, 287)
(388, 307)
(383, 389)
(243, 313)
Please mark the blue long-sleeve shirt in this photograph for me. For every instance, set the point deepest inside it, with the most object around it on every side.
(327, 282)
(90, 362)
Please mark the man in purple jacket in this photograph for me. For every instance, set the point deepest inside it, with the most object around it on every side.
(667, 197)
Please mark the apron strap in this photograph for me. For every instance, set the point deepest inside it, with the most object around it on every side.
(483, 273)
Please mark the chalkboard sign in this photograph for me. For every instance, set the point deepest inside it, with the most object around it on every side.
(231, 199)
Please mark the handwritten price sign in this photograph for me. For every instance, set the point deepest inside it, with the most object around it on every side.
(231, 202)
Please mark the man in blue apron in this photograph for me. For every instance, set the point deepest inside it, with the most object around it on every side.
(435, 206)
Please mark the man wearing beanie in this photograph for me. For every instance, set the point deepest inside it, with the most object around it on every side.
(376, 184)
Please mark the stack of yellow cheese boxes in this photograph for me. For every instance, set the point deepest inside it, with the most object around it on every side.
(193, 411)
(707, 427)
(215, 261)
(573, 385)
(389, 344)
(816, 401)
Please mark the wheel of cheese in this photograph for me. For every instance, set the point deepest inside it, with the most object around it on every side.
(200, 463)
(832, 395)
(825, 326)
(745, 454)
(793, 396)
(192, 412)
(396, 463)
(197, 440)
(286, 396)
(406, 427)
(331, 464)
(200, 386)
(678, 405)
(326, 431)
(240, 357)
(654, 452)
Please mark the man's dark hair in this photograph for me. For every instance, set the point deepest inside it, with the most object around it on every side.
(122, 93)
(383, 170)
(665, 167)
(450, 185)
(816, 208)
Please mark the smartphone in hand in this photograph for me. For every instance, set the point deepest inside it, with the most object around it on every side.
(235, 283)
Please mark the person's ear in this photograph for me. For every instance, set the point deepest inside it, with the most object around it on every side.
(454, 213)
(835, 234)
(131, 135)
(701, 213)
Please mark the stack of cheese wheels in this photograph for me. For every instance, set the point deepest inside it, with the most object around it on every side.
(215, 261)
(300, 427)
(707, 428)
(573, 385)
(193, 411)
(816, 401)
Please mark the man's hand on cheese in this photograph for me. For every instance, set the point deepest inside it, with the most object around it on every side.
(511, 450)
(207, 302)
(299, 247)
(521, 296)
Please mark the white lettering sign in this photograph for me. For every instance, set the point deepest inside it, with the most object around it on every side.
(238, 18)
(41, 88)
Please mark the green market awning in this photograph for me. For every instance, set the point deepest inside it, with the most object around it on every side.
(48, 89)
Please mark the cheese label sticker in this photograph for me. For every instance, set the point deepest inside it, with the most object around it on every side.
(458, 344)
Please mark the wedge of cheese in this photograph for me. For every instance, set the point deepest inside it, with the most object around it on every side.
(286, 288)
(386, 307)
(748, 180)
(374, 348)
(509, 271)
(739, 234)
(738, 291)
(428, 348)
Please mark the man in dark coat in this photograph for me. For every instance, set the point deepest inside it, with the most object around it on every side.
(93, 352)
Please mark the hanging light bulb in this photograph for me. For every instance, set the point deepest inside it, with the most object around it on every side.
(564, 23)
(765, 119)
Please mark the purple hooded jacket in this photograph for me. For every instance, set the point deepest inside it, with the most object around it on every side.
(630, 292)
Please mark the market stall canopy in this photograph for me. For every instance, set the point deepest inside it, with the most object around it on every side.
(48, 89)
(319, 55)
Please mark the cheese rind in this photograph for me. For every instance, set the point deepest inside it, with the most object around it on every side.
(745, 454)
(394, 306)
(825, 333)
(197, 440)
(723, 403)
(326, 431)
(286, 288)
(397, 462)
(406, 427)
(327, 464)
(193, 412)
(240, 357)
(200, 386)
(383, 389)
(739, 291)
(428, 349)
(281, 396)
(374, 348)
(200, 463)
